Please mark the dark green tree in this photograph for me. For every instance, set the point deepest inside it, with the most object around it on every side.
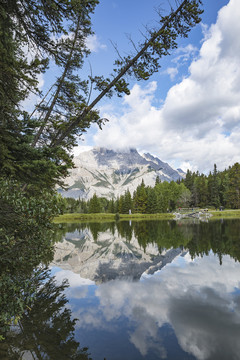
(94, 205)
(233, 192)
(214, 188)
(127, 204)
(111, 208)
(224, 187)
(140, 199)
(158, 180)
(152, 207)
(201, 187)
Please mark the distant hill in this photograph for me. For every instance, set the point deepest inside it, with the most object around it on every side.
(110, 173)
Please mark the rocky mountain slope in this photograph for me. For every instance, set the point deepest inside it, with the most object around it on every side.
(110, 173)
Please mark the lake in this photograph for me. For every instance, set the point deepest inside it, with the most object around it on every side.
(139, 290)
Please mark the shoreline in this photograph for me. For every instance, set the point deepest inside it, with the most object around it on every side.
(103, 217)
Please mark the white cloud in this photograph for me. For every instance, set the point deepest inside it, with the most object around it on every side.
(81, 148)
(172, 72)
(94, 44)
(198, 123)
(184, 53)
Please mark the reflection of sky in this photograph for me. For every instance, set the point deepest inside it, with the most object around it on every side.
(191, 303)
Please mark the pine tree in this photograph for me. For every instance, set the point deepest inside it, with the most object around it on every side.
(140, 199)
(152, 207)
(111, 208)
(94, 205)
(215, 201)
(121, 204)
(224, 187)
(127, 204)
(233, 192)
(158, 180)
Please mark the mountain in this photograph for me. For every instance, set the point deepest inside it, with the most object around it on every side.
(110, 173)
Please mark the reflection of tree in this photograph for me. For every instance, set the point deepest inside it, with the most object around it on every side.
(165, 234)
(18, 258)
(94, 227)
(222, 237)
(125, 229)
(25, 242)
(46, 329)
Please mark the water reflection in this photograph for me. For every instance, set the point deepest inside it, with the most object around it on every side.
(105, 251)
(188, 310)
(140, 290)
(185, 308)
(119, 251)
(46, 330)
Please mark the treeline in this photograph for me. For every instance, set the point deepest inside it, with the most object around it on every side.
(163, 197)
(196, 190)
(217, 189)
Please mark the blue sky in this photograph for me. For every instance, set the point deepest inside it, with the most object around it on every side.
(188, 113)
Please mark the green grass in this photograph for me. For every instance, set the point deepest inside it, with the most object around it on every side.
(76, 217)
(225, 214)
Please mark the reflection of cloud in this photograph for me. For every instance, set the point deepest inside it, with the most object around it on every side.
(74, 280)
(197, 299)
(206, 323)
(145, 332)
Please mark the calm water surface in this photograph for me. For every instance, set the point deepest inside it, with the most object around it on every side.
(136, 290)
(153, 290)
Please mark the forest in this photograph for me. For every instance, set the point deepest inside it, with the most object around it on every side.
(215, 190)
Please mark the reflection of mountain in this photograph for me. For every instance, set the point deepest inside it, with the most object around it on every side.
(121, 250)
(110, 257)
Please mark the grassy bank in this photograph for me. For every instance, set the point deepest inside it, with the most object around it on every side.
(103, 217)
(225, 214)
(76, 217)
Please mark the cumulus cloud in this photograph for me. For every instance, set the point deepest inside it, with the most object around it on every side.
(93, 43)
(172, 72)
(198, 122)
